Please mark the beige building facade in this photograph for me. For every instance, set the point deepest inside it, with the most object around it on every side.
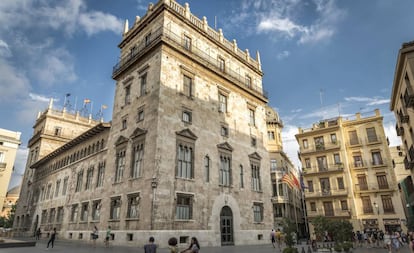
(287, 200)
(9, 143)
(402, 103)
(185, 154)
(349, 174)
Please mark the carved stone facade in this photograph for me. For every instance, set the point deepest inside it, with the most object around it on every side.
(186, 150)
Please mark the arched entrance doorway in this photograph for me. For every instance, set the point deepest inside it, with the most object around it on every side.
(226, 226)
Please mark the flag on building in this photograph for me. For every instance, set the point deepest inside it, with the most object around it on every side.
(86, 101)
(291, 180)
(104, 106)
(295, 180)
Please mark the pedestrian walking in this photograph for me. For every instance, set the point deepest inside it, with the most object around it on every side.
(273, 237)
(278, 236)
(387, 240)
(38, 234)
(52, 238)
(95, 235)
(172, 245)
(194, 246)
(150, 247)
(108, 235)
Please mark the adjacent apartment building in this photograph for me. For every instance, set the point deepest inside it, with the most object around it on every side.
(348, 173)
(185, 154)
(402, 104)
(287, 200)
(9, 143)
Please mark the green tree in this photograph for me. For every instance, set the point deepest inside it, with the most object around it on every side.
(289, 228)
(7, 222)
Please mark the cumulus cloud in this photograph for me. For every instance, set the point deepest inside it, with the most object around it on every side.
(4, 49)
(284, 19)
(38, 97)
(19, 166)
(13, 83)
(290, 145)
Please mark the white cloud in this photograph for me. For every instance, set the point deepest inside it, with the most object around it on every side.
(56, 67)
(290, 145)
(4, 49)
(38, 97)
(369, 101)
(95, 22)
(283, 55)
(13, 83)
(391, 133)
(284, 19)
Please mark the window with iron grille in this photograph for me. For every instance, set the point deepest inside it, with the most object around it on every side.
(96, 210)
(101, 174)
(79, 181)
(138, 155)
(184, 207)
(133, 206)
(84, 211)
(256, 185)
(185, 156)
(115, 210)
(74, 213)
(120, 166)
(258, 212)
(387, 204)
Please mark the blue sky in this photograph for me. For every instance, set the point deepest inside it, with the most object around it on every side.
(320, 58)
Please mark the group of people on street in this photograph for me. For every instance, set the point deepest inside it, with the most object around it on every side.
(392, 241)
(194, 246)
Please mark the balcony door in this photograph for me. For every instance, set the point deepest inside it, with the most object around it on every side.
(325, 186)
(362, 182)
(328, 209)
(322, 164)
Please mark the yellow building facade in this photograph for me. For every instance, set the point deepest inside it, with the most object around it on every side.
(348, 172)
(402, 104)
(9, 143)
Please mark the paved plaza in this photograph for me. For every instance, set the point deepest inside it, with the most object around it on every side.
(69, 246)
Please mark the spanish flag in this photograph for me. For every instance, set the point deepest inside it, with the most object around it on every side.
(86, 101)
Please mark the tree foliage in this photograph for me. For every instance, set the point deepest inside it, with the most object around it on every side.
(340, 230)
(7, 221)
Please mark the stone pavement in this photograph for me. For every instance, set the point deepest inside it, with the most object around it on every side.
(72, 246)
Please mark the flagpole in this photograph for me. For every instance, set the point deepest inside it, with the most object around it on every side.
(91, 107)
(76, 102)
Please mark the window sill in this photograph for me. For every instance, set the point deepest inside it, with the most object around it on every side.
(190, 220)
(115, 183)
(132, 219)
(186, 179)
(83, 222)
(114, 220)
(134, 178)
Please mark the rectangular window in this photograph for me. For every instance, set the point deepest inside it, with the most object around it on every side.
(225, 170)
(258, 212)
(325, 186)
(366, 204)
(120, 166)
(319, 143)
(387, 204)
(184, 209)
(133, 204)
(241, 177)
(74, 213)
(252, 119)
(271, 135)
(84, 211)
(89, 178)
(115, 210)
(60, 214)
(362, 182)
(124, 124)
(328, 208)
(253, 141)
(58, 131)
(207, 169)
(65, 186)
(322, 163)
(305, 144)
(127, 95)
(186, 117)
(143, 84)
(273, 165)
(307, 163)
(188, 86)
(96, 210)
(57, 188)
(353, 138)
(382, 181)
(137, 160)
(44, 217)
(248, 81)
(333, 138)
(358, 162)
(337, 158)
(187, 43)
(310, 186)
(344, 205)
(224, 131)
(79, 181)
(256, 185)
(376, 158)
(140, 115)
(49, 189)
(222, 103)
(101, 174)
(221, 64)
(340, 181)
(372, 135)
(52, 216)
(147, 39)
(185, 161)
(281, 191)
(313, 206)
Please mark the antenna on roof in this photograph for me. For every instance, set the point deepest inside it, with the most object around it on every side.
(215, 22)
